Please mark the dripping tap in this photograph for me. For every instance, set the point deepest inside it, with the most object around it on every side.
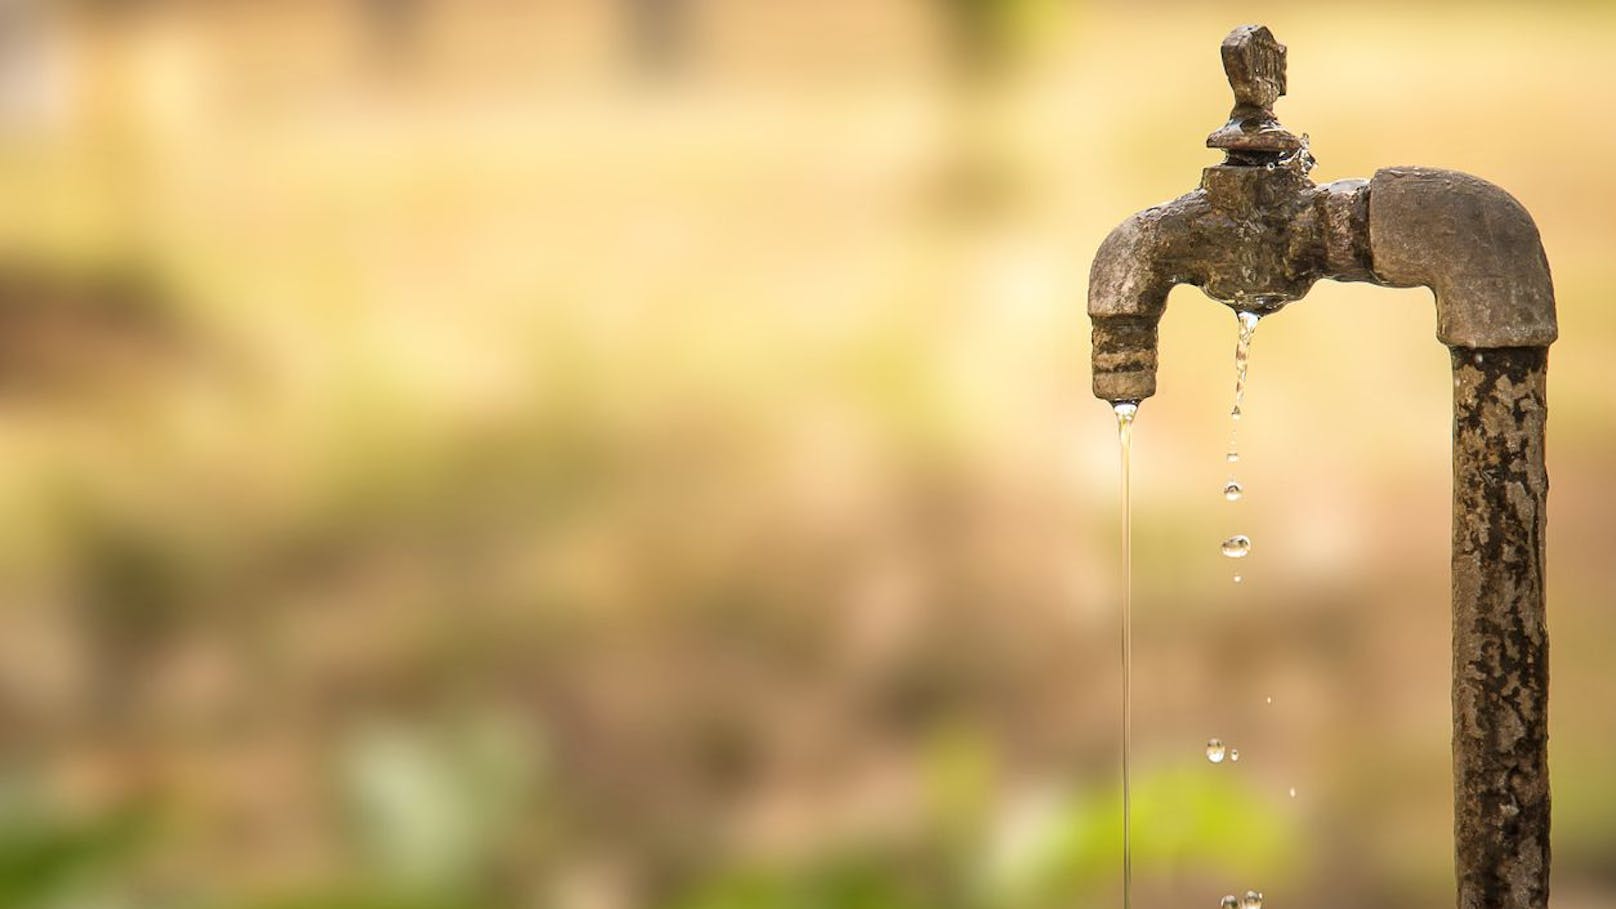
(1255, 235)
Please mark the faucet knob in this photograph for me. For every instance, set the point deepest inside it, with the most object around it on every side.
(1254, 61)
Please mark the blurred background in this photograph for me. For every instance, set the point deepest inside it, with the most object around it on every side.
(638, 453)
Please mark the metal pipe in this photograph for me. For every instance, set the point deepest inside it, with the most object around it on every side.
(1500, 640)
(1255, 236)
(1473, 245)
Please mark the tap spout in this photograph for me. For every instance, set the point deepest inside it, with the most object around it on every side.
(1128, 285)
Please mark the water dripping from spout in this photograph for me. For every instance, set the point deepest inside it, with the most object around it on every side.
(1126, 411)
(1242, 359)
(1237, 546)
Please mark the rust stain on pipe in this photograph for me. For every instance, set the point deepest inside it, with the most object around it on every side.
(1500, 639)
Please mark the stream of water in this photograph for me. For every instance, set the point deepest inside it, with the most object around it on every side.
(1125, 414)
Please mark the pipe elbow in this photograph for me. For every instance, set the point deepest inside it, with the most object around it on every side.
(1473, 245)
(1127, 294)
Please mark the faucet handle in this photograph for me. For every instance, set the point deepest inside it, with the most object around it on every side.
(1254, 61)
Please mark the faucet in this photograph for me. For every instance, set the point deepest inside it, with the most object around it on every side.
(1255, 236)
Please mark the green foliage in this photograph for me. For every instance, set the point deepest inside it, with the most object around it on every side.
(1067, 855)
(1182, 815)
(429, 807)
(45, 857)
(849, 881)
(360, 897)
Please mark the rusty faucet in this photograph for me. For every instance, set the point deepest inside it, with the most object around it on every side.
(1255, 235)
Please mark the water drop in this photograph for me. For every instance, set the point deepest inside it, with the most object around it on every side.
(1270, 699)
(1215, 750)
(1235, 413)
(1237, 546)
(1253, 900)
(1238, 579)
(1230, 902)
(1232, 490)
(1293, 792)
(1234, 754)
(1232, 457)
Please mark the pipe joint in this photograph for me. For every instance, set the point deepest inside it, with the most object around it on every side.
(1473, 245)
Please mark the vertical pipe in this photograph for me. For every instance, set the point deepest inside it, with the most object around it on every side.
(1500, 643)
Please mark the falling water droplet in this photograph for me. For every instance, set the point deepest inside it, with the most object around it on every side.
(1232, 457)
(1237, 546)
(1235, 413)
(1215, 750)
(1293, 792)
(1232, 490)
(1238, 579)
(1253, 900)
(1270, 699)
(1230, 902)
(1234, 754)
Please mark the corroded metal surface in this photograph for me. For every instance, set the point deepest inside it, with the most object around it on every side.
(1473, 245)
(1253, 238)
(1256, 235)
(1500, 642)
